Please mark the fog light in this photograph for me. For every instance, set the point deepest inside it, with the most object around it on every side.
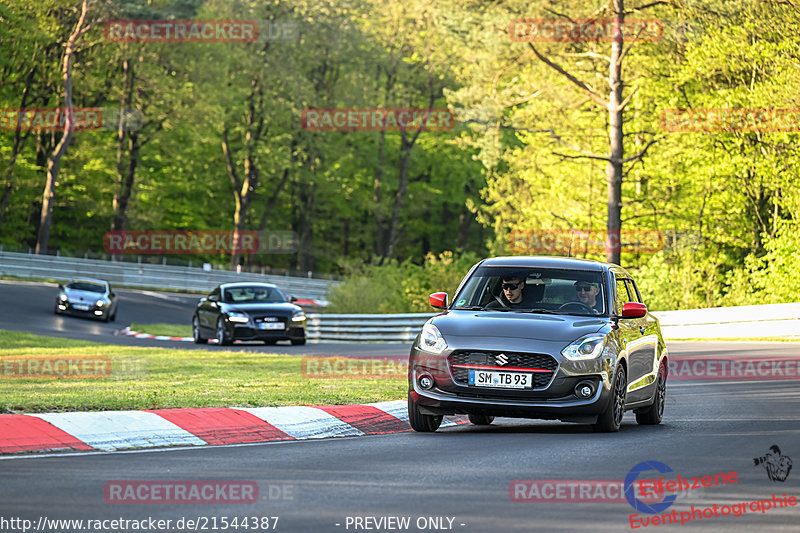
(425, 382)
(584, 389)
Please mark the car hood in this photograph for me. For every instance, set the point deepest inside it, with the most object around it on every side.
(277, 309)
(86, 296)
(508, 324)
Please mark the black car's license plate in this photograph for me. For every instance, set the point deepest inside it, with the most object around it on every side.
(506, 380)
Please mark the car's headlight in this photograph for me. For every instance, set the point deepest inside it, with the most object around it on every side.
(63, 297)
(430, 340)
(298, 317)
(234, 316)
(588, 347)
(99, 303)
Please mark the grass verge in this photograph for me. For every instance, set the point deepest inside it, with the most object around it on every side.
(158, 378)
(170, 330)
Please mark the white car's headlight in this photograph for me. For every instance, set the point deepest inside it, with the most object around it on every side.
(235, 316)
(588, 347)
(430, 340)
(63, 297)
(99, 303)
(298, 317)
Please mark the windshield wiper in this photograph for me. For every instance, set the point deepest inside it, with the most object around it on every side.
(540, 311)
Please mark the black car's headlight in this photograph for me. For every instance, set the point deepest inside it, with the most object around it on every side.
(588, 347)
(235, 316)
(431, 340)
(299, 317)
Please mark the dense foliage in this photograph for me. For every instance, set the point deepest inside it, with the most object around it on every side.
(221, 145)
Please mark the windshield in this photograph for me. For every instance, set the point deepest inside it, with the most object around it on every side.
(569, 292)
(253, 294)
(86, 286)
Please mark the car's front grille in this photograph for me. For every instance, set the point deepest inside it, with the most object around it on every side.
(541, 366)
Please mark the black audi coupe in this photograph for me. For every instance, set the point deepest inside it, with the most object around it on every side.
(248, 311)
(539, 337)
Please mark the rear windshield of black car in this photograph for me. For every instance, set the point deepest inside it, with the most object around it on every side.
(253, 294)
(569, 292)
(84, 286)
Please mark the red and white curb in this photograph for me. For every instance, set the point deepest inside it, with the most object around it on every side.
(120, 430)
(127, 332)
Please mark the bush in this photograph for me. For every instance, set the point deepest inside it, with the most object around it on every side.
(399, 287)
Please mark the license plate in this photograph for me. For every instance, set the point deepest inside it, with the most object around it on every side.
(504, 380)
(81, 307)
(270, 325)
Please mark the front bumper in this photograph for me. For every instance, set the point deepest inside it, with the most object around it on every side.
(553, 398)
(92, 312)
(244, 332)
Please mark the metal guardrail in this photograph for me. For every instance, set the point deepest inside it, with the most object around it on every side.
(399, 328)
(147, 275)
(775, 320)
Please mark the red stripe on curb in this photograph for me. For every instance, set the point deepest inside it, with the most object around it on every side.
(220, 425)
(366, 418)
(21, 433)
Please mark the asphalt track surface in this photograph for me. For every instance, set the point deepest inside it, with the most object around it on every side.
(462, 473)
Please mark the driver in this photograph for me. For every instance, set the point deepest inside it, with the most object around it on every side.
(586, 292)
(514, 295)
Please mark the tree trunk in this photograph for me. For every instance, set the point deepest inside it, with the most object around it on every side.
(615, 135)
(54, 161)
(125, 177)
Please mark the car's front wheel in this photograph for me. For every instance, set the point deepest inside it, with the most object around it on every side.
(611, 417)
(652, 415)
(222, 336)
(422, 422)
(298, 342)
(481, 420)
(198, 339)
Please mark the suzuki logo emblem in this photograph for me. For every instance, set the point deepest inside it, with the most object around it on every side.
(502, 359)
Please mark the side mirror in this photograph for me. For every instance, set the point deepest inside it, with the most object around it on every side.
(211, 298)
(438, 300)
(292, 299)
(61, 286)
(634, 310)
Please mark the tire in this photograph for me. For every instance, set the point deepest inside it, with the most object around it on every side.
(222, 336)
(298, 342)
(610, 419)
(106, 318)
(55, 309)
(481, 420)
(113, 317)
(420, 422)
(650, 416)
(196, 332)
